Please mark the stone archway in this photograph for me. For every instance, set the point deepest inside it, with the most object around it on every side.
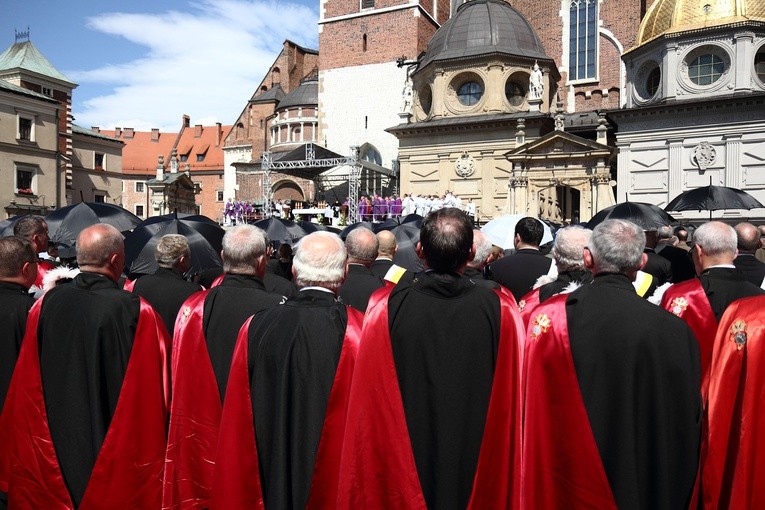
(288, 190)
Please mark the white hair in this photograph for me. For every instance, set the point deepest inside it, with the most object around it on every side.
(320, 261)
(243, 245)
(482, 249)
(569, 247)
(716, 238)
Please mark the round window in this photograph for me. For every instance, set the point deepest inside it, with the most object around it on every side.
(652, 81)
(470, 93)
(706, 69)
(514, 93)
(759, 64)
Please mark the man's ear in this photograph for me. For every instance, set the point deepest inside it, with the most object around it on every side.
(643, 261)
(589, 263)
(420, 253)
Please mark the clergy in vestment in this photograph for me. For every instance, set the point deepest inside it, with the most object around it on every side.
(612, 404)
(700, 302)
(434, 412)
(284, 414)
(167, 289)
(84, 423)
(205, 334)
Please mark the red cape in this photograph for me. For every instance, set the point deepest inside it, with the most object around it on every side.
(378, 470)
(562, 467)
(194, 415)
(128, 470)
(688, 301)
(733, 473)
(236, 483)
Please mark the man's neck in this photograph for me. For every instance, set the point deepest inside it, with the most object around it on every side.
(524, 246)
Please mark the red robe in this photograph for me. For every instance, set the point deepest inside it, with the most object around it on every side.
(194, 415)
(128, 470)
(733, 472)
(562, 467)
(378, 470)
(236, 482)
(43, 266)
(688, 301)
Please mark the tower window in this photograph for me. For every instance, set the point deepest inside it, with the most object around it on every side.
(706, 69)
(470, 93)
(514, 93)
(759, 64)
(364, 42)
(652, 82)
(25, 129)
(367, 4)
(583, 39)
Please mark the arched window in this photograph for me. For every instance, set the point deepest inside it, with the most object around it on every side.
(583, 39)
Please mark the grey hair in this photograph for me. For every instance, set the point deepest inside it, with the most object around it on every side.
(361, 244)
(170, 249)
(568, 250)
(716, 238)
(320, 261)
(243, 245)
(664, 232)
(617, 246)
(482, 249)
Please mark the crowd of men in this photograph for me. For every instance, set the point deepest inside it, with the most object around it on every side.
(523, 381)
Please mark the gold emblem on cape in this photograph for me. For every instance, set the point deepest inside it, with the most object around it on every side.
(186, 313)
(540, 325)
(521, 304)
(678, 306)
(738, 334)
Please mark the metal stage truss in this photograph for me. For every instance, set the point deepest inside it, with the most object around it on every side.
(304, 164)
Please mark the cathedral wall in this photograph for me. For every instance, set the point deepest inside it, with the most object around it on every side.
(357, 104)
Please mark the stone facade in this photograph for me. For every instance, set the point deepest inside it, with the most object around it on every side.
(96, 168)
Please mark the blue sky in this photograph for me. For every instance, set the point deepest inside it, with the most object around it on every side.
(146, 63)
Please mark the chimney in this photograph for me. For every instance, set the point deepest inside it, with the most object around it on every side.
(117, 132)
(198, 131)
(95, 128)
(160, 167)
(154, 134)
(186, 121)
(128, 132)
(218, 134)
(174, 161)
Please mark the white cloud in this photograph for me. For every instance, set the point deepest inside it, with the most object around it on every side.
(205, 62)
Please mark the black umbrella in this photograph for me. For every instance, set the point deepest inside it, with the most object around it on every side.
(281, 231)
(205, 238)
(647, 216)
(6, 226)
(66, 223)
(713, 198)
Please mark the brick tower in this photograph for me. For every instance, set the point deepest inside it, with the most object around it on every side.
(360, 85)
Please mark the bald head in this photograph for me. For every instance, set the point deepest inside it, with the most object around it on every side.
(361, 244)
(748, 237)
(100, 249)
(387, 244)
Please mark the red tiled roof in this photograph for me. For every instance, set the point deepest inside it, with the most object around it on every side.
(139, 155)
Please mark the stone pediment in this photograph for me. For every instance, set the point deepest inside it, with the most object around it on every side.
(559, 144)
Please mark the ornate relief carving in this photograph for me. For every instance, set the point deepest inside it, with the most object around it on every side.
(465, 165)
(703, 155)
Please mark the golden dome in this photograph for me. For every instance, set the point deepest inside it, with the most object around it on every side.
(671, 16)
